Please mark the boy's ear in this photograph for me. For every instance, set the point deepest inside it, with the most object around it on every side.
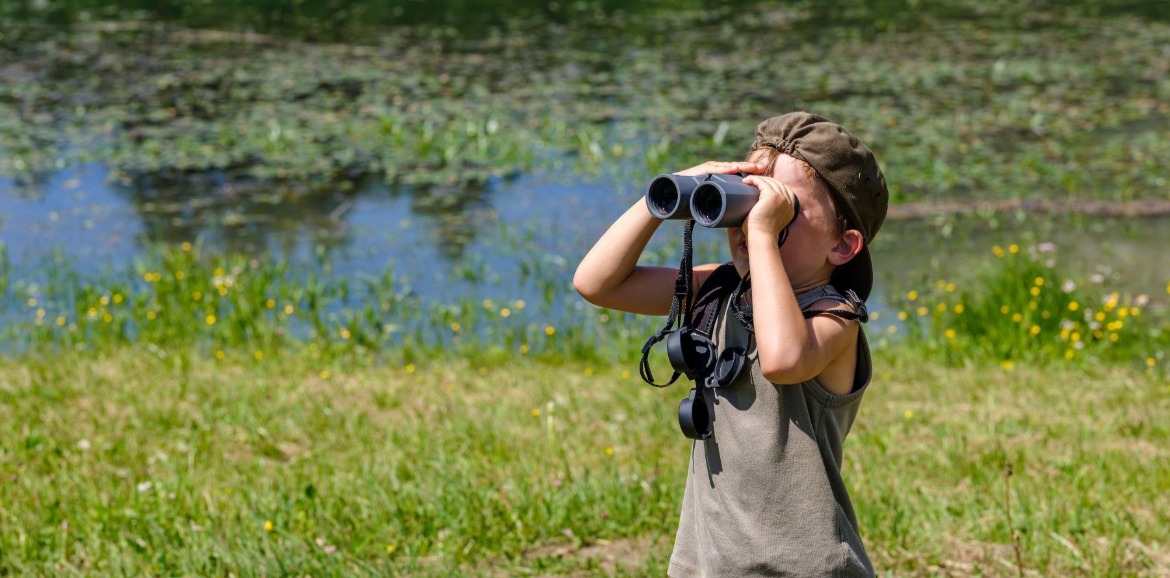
(847, 247)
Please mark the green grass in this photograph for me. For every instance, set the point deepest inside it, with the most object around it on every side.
(211, 415)
(129, 463)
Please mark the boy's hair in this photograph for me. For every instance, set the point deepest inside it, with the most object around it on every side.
(855, 182)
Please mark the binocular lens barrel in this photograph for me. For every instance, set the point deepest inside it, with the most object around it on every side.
(723, 201)
(669, 196)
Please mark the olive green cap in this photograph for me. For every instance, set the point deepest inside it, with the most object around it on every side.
(852, 173)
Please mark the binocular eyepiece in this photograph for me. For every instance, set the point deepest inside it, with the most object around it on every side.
(712, 200)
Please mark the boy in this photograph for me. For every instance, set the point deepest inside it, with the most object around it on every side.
(764, 494)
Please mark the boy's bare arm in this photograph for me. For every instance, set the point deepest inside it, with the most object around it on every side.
(609, 275)
(792, 349)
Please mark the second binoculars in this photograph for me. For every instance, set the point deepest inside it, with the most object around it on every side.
(711, 200)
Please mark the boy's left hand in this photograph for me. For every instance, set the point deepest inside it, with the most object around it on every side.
(774, 211)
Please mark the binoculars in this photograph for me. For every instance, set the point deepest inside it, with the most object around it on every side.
(711, 200)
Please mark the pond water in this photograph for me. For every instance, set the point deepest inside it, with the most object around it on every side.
(447, 240)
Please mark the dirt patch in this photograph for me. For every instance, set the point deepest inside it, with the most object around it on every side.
(610, 555)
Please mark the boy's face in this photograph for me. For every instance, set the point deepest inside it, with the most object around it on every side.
(811, 237)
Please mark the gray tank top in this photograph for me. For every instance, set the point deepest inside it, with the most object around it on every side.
(764, 494)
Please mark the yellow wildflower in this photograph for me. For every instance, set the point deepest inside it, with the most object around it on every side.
(912, 295)
(267, 523)
(210, 319)
(1013, 248)
(997, 251)
(1073, 306)
(950, 333)
(186, 246)
(549, 330)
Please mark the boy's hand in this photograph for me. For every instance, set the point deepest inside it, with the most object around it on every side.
(723, 168)
(774, 211)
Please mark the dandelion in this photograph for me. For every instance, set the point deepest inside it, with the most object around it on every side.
(107, 318)
(518, 304)
(390, 548)
(922, 311)
(505, 312)
(32, 302)
(1075, 336)
(219, 354)
(324, 374)
(270, 303)
(267, 523)
(105, 300)
(1035, 291)
(941, 307)
(210, 319)
(117, 298)
(950, 333)
(1150, 361)
(1007, 364)
(1045, 314)
(1013, 248)
(150, 315)
(1113, 337)
(535, 412)
(912, 295)
(907, 414)
(186, 246)
(1017, 318)
(1100, 316)
(1073, 305)
(179, 275)
(487, 304)
(625, 374)
(902, 315)
(1004, 309)
(345, 334)
(61, 321)
(410, 368)
(288, 309)
(523, 348)
(1133, 311)
(997, 251)
(950, 287)
(609, 451)
(892, 329)
(549, 330)
(1035, 330)
(455, 326)
(258, 356)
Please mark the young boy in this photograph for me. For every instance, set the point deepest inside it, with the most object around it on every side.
(764, 494)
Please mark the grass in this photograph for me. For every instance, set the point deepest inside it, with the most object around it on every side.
(199, 414)
(128, 463)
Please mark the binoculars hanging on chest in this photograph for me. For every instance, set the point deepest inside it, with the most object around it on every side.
(716, 201)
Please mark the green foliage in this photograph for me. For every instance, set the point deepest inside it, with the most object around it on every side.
(1023, 309)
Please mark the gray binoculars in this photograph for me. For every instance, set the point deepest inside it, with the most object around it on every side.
(711, 200)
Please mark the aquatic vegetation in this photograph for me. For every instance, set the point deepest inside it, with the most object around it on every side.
(1008, 101)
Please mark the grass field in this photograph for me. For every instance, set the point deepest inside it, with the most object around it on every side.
(132, 463)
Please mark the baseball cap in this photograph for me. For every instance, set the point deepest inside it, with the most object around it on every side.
(852, 173)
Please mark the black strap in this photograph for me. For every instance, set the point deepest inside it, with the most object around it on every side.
(680, 303)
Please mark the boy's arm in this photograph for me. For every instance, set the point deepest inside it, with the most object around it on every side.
(609, 275)
(791, 349)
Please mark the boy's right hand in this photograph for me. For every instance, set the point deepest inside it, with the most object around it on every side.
(724, 168)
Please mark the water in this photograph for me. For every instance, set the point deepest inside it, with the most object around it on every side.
(483, 237)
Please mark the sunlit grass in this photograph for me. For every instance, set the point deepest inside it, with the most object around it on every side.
(131, 463)
(1022, 309)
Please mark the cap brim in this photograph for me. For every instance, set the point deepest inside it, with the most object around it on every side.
(857, 275)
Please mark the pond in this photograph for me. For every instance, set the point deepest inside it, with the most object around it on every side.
(465, 147)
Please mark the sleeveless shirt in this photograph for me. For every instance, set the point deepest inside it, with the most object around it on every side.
(764, 495)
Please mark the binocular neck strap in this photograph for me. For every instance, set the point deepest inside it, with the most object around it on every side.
(680, 306)
(860, 313)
